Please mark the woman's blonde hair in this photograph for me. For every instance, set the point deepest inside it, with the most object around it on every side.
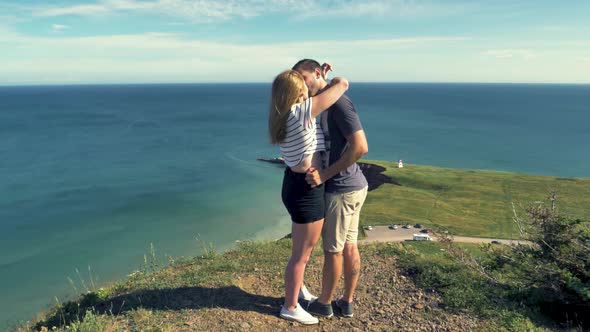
(286, 90)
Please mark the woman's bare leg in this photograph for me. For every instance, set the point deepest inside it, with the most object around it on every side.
(304, 237)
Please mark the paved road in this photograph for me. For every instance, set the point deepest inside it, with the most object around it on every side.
(384, 234)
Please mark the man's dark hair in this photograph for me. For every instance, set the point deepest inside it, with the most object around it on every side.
(307, 65)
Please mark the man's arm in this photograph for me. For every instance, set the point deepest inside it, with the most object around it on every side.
(357, 147)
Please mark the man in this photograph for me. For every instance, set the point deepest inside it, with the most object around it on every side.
(346, 190)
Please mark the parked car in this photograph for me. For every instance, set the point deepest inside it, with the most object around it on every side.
(407, 226)
(418, 226)
(422, 237)
(426, 231)
(392, 226)
(369, 228)
(496, 242)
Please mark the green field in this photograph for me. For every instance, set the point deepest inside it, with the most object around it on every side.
(468, 202)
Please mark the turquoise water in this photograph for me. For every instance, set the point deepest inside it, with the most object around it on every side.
(90, 176)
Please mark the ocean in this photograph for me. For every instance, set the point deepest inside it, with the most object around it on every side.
(92, 176)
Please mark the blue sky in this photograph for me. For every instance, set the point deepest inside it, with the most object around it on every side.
(149, 41)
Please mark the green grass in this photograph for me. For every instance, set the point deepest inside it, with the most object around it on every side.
(163, 298)
(156, 298)
(467, 202)
(463, 290)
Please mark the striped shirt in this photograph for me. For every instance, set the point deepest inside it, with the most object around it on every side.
(304, 134)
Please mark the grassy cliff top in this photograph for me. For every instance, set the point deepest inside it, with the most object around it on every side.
(467, 202)
(242, 289)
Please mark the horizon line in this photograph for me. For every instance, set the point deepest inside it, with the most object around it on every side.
(270, 82)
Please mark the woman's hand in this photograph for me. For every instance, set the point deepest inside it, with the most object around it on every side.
(326, 67)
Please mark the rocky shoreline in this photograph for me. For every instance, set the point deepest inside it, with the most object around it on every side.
(278, 160)
(373, 173)
(375, 177)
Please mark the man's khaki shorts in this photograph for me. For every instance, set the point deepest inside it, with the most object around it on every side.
(342, 219)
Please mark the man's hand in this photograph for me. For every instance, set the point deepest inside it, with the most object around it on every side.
(326, 67)
(314, 177)
(357, 148)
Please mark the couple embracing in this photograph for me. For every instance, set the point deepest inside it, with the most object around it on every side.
(320, 137)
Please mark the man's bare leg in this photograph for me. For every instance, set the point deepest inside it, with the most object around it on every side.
(352, 267)
(331, 273)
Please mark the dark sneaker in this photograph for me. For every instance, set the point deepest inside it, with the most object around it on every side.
(319, 309)
(345, 307)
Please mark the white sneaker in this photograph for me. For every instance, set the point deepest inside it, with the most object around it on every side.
(304, 294)
(298, 315)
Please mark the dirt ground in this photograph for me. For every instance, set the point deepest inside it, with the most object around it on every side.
(385, 301)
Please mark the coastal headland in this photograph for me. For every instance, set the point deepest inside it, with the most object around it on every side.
(463, 202)
(241, 289)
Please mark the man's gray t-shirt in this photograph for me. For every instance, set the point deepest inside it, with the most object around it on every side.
(343, 121)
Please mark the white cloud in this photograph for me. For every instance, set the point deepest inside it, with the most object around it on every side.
(7, 33)
(196, 11)
(177, 44)
(158, 57)
(525, 54)
(59, 27)
(72, 10)
(168, 57)
(212, 10)
(389, 8)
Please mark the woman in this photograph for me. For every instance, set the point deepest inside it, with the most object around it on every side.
(292, 126)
